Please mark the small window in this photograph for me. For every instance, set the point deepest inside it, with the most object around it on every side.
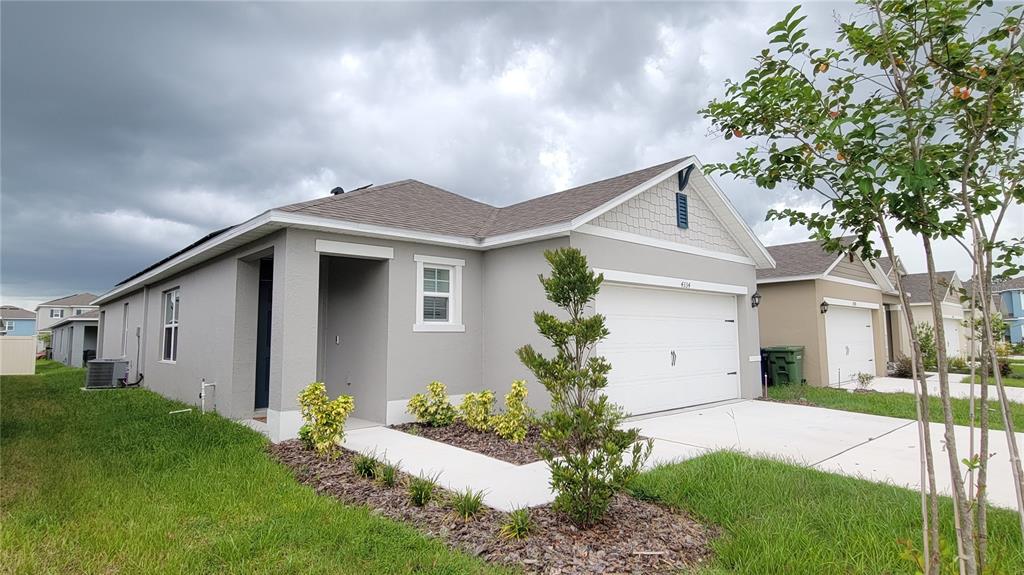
(124, 331)
(79, 311)
(57, 312)
(682, 214)
(170, 334)
(438, 294)
(8, 325)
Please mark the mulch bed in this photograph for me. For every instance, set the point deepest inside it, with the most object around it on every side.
(486, 442)
(635, 537)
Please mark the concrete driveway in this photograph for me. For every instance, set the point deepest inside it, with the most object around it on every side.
(876, 448)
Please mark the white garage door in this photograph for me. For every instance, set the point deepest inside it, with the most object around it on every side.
(851, 347)
(952, 328)
(669, 348)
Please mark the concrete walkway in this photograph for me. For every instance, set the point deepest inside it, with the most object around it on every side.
(956, 387)
(877, 448)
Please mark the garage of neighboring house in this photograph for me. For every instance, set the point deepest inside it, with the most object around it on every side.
(671, 347)
(831, 305)
(916, 286)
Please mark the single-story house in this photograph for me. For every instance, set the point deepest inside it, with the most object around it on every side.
(380, 290)
(916, 286)
(835, 306)
(15, 321)
(74, 339)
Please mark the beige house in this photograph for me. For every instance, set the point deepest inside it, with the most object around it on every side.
(916, 286)
(836, 307)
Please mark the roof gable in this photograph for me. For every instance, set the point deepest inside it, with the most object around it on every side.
(916, 285)
(11, 312)
(79, 299)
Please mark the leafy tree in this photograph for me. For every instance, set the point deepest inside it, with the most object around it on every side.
(909, 121)
(581, 438)
(926, 336)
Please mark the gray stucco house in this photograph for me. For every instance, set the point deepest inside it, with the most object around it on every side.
(75, 338)
(379, 291)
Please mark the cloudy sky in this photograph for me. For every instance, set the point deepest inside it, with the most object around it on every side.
(132, 129)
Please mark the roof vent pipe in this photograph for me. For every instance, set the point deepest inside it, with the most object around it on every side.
(337, 191)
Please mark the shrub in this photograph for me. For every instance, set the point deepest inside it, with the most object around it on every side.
(468, 503)
(581, 438)
(1017, 348)
(386, 474)
(904, 367)
(432, 408)
(957, 364)
(476, 410)
(305, 436)
(864, 380)
(926, 338)
(365, 465)
(514, 422)
(1004, 366)
(517, 525)
(325, 418)
(421, 490)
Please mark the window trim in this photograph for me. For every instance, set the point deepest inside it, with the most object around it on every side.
(454, 323)
(174, 324)
(9, 325)
(56, 310)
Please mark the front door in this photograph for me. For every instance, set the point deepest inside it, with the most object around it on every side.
(266, 297)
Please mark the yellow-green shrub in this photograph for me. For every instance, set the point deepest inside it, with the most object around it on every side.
(432, 408)
(515, 421)
(325, 418)
(476, 409)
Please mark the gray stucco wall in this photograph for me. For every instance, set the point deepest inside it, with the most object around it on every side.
(612, 254)
(111, 331)
(70, 340)
(511, 294)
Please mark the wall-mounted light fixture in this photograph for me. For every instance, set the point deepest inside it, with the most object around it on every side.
(823, 307)
(755, 300)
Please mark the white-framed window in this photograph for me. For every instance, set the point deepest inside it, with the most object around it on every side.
(124, 331)
(56, 312)
(170, 335)
(79, 311)
(8, 325)
(438, 294)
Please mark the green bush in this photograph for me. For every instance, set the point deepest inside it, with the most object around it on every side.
(386, 474)
(518, 524)
(325, 418)
(904, 367)
(421, 490)
(468, 503)
(514, 422)
(365, 465)
(305, 436)
(476, 410)
(432, 408)
(582, 439)
(957, 364)
(926, 338)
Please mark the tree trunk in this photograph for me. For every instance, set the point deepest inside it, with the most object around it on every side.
(963, 519)
(929, 492)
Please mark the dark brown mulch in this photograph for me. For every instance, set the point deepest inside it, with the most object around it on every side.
(486, 442)
(635, 537)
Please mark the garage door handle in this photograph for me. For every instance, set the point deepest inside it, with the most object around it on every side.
(673, 352)
(731, 373)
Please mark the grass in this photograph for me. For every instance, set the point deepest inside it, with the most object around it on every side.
(781, 518)
(109, 482)
(890, 404)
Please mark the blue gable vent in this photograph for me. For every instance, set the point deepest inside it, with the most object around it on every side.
(682, 212)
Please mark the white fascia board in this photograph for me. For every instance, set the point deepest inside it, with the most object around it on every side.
(526, 236)
(630, 194)
(365, 251)
(785, 279)
(617, 276)
(238, 230)
(850, 282)
(851, 303)
(371, 230)
(663, 244)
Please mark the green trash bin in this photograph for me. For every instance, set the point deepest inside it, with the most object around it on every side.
(785, 364)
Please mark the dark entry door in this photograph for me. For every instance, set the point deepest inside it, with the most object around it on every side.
(266, 298)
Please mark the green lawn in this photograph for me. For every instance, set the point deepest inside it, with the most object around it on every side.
(109, 482)
(891, 404)
(1015, 379)
(779, 518)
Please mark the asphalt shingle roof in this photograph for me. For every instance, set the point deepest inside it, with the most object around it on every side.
(917, 286)
(799, 259)
(79, 299)
(414, 205)
(1007, 285)
(14, 312)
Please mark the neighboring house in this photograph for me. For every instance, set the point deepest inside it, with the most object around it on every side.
(17, 321)
(54, 311)
(837, 308)
(1011, 305)
(379, 291)
(949, 286)
(74, 338)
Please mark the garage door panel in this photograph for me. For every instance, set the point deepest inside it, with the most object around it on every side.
(849, 333)
(647, 326)
(952, 329)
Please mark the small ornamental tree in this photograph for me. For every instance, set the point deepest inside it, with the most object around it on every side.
(581, 438)
(324, 418)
